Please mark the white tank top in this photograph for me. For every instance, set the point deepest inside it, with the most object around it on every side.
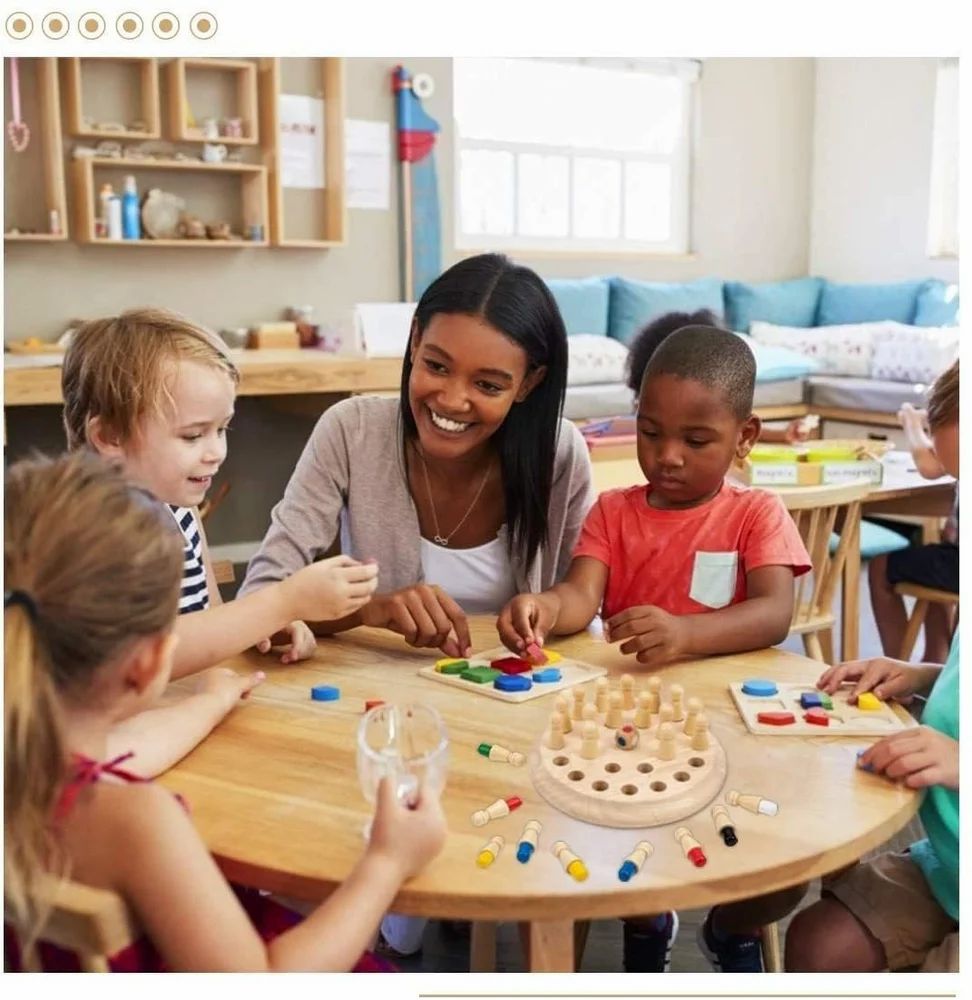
(480, 580)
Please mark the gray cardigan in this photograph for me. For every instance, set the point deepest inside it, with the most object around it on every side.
(351, 469)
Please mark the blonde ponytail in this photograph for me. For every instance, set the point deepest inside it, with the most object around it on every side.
(90, 565)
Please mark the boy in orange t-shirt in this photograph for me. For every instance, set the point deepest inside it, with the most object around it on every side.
(688, 564)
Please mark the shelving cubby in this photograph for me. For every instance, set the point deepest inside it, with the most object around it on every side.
(122, 91)
(212, 88)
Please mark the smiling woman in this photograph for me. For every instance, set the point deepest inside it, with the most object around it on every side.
(469, 489)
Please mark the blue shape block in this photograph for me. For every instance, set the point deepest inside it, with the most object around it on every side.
(759, 688)
(627, 871)
(324, 692)
(549, 675)
(524, 852)
(512, 682)
(864, 767)
(810, 699)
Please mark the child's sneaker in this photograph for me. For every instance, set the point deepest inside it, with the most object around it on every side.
(733, 953)
(649, 949)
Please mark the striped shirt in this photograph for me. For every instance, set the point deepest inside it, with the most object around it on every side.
(194, 595)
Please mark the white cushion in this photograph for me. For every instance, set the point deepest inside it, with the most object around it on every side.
(593, 359)
(840, 350)
(914, 353)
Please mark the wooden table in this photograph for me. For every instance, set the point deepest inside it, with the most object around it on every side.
(275, 795)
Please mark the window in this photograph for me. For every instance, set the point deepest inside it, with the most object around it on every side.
(943, 213)
(585, 154)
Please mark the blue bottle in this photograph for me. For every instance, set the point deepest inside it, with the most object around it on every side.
(131, 216)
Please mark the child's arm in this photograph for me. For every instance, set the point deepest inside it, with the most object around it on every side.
(192, 917)
(920, 757)
(567, 607)
(326, 589)
(920, 444)
(762, 620)
(160, 737)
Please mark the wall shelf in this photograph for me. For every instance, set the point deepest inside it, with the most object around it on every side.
(200, 89)
(32, 189)
(299, 217)
(113, 76)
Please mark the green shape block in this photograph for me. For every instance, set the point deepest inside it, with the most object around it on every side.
(826, 702)
(455, 668)
(480, 675)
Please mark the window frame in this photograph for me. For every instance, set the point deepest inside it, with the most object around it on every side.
(681, 161)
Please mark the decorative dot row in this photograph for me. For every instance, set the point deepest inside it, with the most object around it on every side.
(91, 25)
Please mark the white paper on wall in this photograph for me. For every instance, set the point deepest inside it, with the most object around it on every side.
(367, 163)
(301, 121)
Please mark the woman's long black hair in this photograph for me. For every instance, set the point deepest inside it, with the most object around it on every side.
(516, 302)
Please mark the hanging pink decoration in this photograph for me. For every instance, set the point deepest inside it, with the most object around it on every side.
(17, 128)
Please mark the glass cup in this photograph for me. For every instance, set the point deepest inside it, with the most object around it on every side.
(406, 743)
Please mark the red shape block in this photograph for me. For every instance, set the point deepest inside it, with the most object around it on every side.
(511, 665)
(536, 655)
(817, 717)
(696, 857)
(776, 718)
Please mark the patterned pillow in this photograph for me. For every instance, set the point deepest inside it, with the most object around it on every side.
(840, 350)
(593, 359)
(914, 353)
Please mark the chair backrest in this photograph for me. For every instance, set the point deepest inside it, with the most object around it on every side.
(223, 571)
(815, 511)
(92, 923)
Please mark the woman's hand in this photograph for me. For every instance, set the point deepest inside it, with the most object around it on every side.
(425, 615)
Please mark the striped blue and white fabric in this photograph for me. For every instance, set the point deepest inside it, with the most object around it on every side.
(194, 595)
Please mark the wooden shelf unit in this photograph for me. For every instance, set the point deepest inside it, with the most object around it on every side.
(181, 111)
(326, 207)
(48, 135)
(148, 100)
(253, 184)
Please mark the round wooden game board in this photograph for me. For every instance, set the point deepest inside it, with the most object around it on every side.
(629, 788)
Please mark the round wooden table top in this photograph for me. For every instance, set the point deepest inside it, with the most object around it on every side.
(274, 790)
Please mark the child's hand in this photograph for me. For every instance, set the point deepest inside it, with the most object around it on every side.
(525, 619)
(425, 615)
(654, 635)
(921, 756)
(887, 678)
(299, 640)
(226, 685)
(408, 836)
(330, 589)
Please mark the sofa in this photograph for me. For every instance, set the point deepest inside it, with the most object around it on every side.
(851, 352)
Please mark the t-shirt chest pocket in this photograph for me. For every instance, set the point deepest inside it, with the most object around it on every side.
(714, 578)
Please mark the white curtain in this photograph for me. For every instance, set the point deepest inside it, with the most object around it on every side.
(943, 213)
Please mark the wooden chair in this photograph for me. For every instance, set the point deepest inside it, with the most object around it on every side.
(92, 923)
(923, 597)
(816, 511)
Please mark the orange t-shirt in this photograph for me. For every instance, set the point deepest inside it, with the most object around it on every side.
(687, 561)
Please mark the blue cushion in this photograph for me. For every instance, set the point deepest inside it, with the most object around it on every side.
(784, 303)
(876, 540)
(583, 303)
(776, 363)
(938, 304)
(868, 303)
(635, 303)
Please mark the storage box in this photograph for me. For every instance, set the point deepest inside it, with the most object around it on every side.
(816, 463)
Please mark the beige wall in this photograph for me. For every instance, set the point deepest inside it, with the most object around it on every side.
(751, 189)
(872, 140)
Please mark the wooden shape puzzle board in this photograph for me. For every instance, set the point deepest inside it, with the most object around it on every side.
(572, 672)
(845, 719)
(628, 788)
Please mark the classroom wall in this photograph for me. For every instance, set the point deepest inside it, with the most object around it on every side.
(872, 138)
(752, 182)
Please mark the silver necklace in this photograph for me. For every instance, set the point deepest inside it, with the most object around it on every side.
(437, 537)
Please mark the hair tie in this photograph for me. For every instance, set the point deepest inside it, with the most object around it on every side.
(21, 597)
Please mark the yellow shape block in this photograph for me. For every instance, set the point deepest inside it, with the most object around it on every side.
(552, 656)
(868, 702)
(440, 665)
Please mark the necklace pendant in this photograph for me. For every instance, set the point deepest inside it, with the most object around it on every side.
(439, 540)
